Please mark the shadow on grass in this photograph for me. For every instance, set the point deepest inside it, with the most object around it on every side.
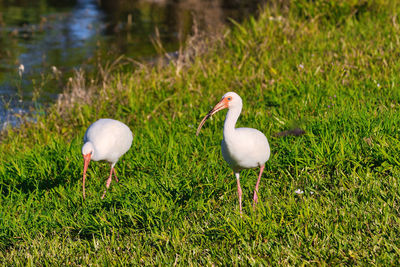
(30, 181)
(40, 170)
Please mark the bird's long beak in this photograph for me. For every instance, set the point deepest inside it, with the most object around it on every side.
(220, 106)
(86, 158)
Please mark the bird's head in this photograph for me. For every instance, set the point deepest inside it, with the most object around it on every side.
(87, 150)
(229, 100)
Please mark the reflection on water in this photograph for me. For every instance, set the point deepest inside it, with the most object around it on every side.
(84, 16)
(52, 37)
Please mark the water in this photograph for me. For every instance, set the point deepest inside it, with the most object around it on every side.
(42, 41)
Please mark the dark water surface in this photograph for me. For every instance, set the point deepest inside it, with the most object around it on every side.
(42, 41)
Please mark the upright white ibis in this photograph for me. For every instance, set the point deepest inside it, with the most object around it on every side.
(242, 148)
(108, 140)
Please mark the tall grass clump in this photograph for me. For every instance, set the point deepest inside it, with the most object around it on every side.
(329, 196)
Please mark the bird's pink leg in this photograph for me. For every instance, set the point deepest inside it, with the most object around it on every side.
(255, 198)
(115, 175)
(239, 192)
(108, 182)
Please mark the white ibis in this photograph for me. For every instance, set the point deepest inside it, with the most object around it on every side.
(108, 140)
(242, 148)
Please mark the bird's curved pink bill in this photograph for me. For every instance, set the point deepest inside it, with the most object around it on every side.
(86, 159)
(220, 106)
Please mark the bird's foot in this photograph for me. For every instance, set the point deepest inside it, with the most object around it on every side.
(255, 198)
(255, 201)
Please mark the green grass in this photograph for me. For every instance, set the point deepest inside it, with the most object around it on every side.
(329, 67)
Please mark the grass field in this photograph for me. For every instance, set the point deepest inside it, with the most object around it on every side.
(331, 68)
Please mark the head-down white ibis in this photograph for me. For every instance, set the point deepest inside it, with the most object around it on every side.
(108, 140)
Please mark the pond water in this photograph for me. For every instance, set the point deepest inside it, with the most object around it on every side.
(43, 41)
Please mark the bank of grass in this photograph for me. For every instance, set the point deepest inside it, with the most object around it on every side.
(329, 67)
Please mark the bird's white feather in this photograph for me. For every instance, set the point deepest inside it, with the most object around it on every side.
(247, 148)
(110, 139)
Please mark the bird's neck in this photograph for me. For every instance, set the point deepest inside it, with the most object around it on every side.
(230, 121)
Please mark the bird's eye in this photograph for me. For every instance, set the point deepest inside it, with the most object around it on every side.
(229, 98)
